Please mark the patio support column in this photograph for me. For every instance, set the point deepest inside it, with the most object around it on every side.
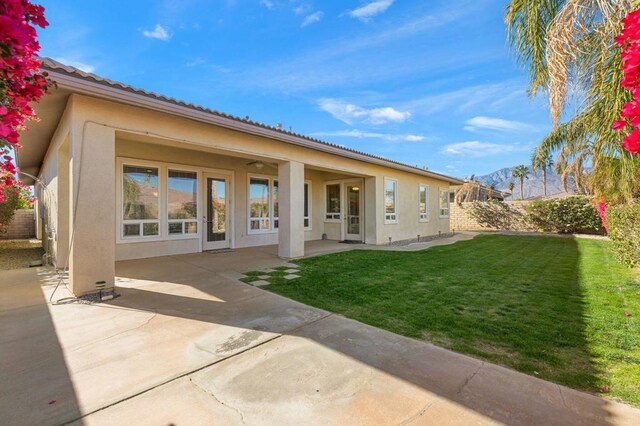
(373, 208)
(93, 206)
(291, 209)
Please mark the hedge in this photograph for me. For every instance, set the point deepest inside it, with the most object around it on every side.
(624, 230)
(572, 215)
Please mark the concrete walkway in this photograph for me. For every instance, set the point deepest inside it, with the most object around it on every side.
(187, 343)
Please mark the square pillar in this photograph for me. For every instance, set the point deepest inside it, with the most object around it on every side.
(92, 208)
(291, 210)
(374, 209)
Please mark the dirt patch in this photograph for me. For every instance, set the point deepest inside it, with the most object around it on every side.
(16, 254)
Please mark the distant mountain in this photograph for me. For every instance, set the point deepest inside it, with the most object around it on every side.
(533, 186)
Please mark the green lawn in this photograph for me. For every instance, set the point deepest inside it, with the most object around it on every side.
(547, 306)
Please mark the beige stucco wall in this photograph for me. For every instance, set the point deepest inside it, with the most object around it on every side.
(145, 134)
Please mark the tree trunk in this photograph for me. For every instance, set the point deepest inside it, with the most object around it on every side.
(521, 184)
(544, 180)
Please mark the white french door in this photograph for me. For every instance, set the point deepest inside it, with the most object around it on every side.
(216, 220)
(353, 211)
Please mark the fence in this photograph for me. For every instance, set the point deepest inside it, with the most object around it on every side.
(461, 219)
(22, 226)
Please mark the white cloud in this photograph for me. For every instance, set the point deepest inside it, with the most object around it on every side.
(359, 134)
(369, 10)
(347, 113)
(77, 64)
(312, 19)
(301, 9)
(480, 149)
(480, 122)
(267, 3)
(159, 32)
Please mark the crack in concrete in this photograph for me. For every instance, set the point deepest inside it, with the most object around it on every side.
(562, 396)
(470, 378)
(155, 314)
(208, 392)
(186, 374)
(419, 414)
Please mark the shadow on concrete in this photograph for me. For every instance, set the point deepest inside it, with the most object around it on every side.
(35, 383)
(492, 391)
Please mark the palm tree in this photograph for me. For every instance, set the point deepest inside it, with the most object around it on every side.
(521, 172)
(510, 186)
(542, 162)
(568, 46)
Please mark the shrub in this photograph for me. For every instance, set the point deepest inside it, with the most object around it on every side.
(624, 230)
(495, 214)
(572, 215)
(15, 197)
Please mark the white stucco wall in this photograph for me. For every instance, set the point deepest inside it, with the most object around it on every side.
(149, 135)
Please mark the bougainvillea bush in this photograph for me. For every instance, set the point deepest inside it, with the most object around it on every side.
(21, 81)
(629, 42)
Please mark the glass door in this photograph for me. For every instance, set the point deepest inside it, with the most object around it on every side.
(353, 229)
(216, 220)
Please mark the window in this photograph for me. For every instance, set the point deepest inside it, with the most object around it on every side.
(333, 202)
(444, 203)
(182, 202)
(259, 205)
(307, 209)
(423, 203)
(140, 201)
(276, 210)
(264, 209)
(390, 201)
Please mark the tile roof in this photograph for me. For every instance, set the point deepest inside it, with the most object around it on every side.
(49, 64)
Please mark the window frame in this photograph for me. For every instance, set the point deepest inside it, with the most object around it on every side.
(163, 185)
(333, 215)
(423, 217)
(448, 208)
(198, 202)
(273, 229)
(390, 218)
(309, 217)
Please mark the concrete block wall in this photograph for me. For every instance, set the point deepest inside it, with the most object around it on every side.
(22, 226)
(461, 219)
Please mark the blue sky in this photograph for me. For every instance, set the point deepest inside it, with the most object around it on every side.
(430, 83)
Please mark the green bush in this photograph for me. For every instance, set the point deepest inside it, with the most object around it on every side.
(624, 230)
(12, 201)
(572, 215)
(494, 214)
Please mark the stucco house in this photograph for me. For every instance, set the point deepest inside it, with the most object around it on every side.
(124, 173)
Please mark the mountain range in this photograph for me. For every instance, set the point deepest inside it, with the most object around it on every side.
(533, 186)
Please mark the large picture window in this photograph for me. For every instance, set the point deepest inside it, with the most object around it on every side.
(444, 203)
(264, 206)
(423, 203)
(390, 201)
(157, 201)
(259, 205)
(140, 201)
(333, 206)
(182, 202)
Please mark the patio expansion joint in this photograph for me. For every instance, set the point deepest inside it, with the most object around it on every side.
(211, 394)
(190, 372)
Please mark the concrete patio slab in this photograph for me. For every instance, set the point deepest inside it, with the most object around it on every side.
(186, 343)
(260, 283)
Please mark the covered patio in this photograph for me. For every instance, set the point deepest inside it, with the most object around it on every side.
(189, 343)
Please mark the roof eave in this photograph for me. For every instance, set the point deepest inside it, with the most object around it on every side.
(108, 91)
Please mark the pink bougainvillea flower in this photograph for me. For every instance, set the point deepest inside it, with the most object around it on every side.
(605, 388)
(632, 142)
(627, 313)
(620, 124)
